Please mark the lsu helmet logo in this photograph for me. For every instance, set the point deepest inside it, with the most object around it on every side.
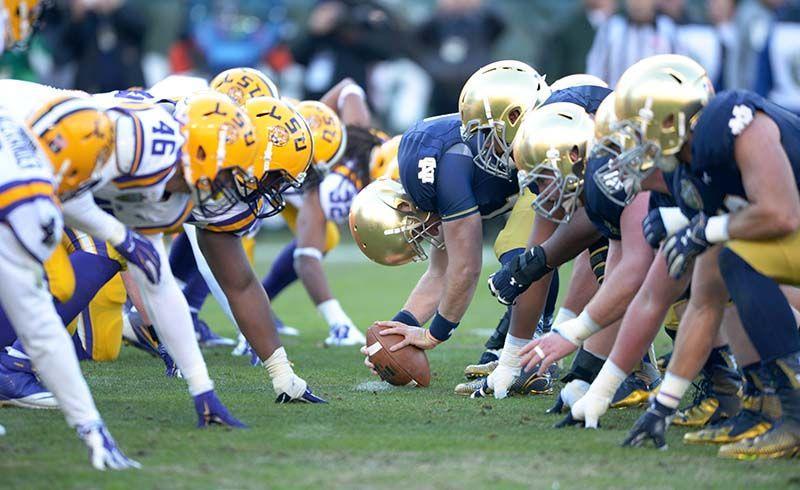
(278, 135)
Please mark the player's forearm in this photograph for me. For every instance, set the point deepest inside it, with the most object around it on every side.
(462, 280)
(570, 239)
(83, 214)
(616, 293)
(424, 299)
(528, 308)
(756, 222)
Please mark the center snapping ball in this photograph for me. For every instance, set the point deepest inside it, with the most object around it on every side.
(407, 366)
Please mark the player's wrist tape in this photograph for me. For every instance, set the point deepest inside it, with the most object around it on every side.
(578, 330)
(278, 364)
(510, 356)
(351, 89)
(312, 252)
(563, 315)
(405, 316)
(717, 229)
(672, 390)
(673, 219)
(441, 328)
(608, 380)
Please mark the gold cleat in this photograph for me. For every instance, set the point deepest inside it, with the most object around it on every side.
(781, 441)
(474, 371)
(754, 419)
(468, 388)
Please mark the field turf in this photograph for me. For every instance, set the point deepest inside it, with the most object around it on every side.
(368, 436)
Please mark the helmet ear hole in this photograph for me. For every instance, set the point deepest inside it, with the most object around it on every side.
(668, 122)
(513, 115)
(201, 153)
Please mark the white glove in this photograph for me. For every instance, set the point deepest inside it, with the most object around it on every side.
(573, 391)
(590, 408)
(501, 379)
(508, 367)
(103, 450)
(291, 384)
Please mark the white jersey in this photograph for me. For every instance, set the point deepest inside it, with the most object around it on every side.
(147, 155)
(28, 204)
(23, 99)
(336, 193)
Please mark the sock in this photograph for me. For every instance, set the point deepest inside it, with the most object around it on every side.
(333, 313)
(282, 273)
(196, 291)
(672, 390)
(181, 259)
(92, 272)
(766, 315)
(552, 297)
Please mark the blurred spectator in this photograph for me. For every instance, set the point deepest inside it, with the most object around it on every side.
(628, 37)
(753, 19)
(714, 45)
(778, 69)
(456, 41)
(675, 10)
(105, 39)
(571, 41)
(344, 38)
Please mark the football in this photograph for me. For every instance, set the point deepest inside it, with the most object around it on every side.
(407, 366)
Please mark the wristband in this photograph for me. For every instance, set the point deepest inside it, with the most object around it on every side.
(405, 316)
(673, 219)
(578, 330)
(717, 229)
(351, 89)
(441, 328)
(608, 380)
(563, 315)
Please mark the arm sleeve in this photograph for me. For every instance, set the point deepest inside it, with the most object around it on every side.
(454, 194)
(82, 213)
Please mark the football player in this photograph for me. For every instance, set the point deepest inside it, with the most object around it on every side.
(740, 155)
(31, 227)
(455, 171)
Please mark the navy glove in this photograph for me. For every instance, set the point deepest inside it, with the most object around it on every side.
(682, 248)
(515, 277)
(211, 411)
(653, 228)
(651, 425)
(141, 253)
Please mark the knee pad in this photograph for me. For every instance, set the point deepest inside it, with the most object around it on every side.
(598, 253)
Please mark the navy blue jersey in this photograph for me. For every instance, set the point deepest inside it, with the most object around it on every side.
(601, 210)
(717, 181)
(437, 171)
(587, 96)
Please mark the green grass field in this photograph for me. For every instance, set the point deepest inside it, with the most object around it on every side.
(368, 436)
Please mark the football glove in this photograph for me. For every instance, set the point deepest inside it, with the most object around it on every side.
(515, 277)
(653, 228)
(141, 253)
(501, 379)
(103, 450)
(651, 425)
(682, 248)
(294, 389)
(211, 411)
(590, 408)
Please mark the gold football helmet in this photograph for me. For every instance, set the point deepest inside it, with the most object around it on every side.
(550, 150)
(383, 160)
(242, 84)
(21, 16)
(218, 152)
(491, 106)
(657, 102)
(577, 80)
(389, 228)
(285, 148)
(77, 138)
(327, 131)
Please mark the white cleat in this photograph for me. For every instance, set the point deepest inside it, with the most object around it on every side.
(345, 335)
(41, 400)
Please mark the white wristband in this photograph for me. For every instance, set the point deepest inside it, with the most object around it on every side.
(672, 390)
(510, 356)
(673, 219)
(563, 315)
(608, 380)
(351, 89)
(579, 329)
(717, 229)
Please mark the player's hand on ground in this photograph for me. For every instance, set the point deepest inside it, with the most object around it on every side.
(589, 409)
(416, 336)
(546, 350)
(141, 253)
(501, 379)
(651, 426)
(211, 411)
(103, 450)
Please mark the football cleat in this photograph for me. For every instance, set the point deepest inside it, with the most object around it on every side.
(242, 347)
(103, 450)
(481, 370)
(211, 411)
(708, 407)
(170, 368)
(470, 387)
(747, 424)
(490, 355)
(529, 382)
(139, 335)
(637, 388)
(284, 330)
(20, 387)
(663, 361)
(206, 337)
(781, 441)
(344, 335)
(307, 397)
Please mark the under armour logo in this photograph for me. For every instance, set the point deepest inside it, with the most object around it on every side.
(427, 170)
(49, 232)
(742, 117)
(706, 178)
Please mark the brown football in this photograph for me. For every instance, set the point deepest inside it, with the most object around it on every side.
(409, 365)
